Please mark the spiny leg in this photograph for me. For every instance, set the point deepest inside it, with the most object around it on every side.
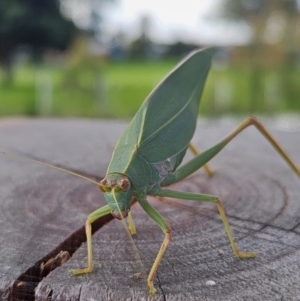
(195, 152)
(88, 229)
(159, 220)
(201, 159)
(211, 199)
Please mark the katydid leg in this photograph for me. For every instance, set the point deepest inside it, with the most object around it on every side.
(131, 225)
(210, 199)
(159, 220)
(195, 152)
(88, 229)
(201, 159)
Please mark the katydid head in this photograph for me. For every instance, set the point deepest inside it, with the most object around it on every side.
(117, 190)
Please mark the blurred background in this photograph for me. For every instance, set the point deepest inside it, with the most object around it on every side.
(101, 58)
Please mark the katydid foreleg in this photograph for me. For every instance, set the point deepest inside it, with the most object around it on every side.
(131, 225)
(160, 221)
(201, 159)
(88, 229)
(210, 199)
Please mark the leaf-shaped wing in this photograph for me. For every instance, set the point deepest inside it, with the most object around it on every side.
(172, 109)
(166, 121)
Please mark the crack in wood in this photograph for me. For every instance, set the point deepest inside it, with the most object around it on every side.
(24, 286)
(160, 287)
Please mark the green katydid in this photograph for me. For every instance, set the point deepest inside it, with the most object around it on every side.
(148, 154)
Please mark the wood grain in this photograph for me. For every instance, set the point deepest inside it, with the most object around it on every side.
(42, 212)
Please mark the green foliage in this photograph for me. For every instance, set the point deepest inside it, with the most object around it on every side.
(34, 23)
(141, 47)
(242, 8)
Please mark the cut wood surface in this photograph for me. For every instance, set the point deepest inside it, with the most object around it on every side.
(43, 211)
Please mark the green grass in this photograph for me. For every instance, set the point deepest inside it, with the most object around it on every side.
(116, 90)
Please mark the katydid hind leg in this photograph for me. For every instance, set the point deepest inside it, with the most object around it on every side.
(160, 221)
(88, 229)
(209, 199)
(196, 152)
(201, 159)
(209, 172)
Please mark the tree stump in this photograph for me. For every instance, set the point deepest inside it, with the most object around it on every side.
(43, 211)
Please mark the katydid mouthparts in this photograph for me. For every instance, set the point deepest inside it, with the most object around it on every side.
(149, 153)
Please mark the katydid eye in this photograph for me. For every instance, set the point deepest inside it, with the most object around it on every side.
(124, 184)
(103, 185)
